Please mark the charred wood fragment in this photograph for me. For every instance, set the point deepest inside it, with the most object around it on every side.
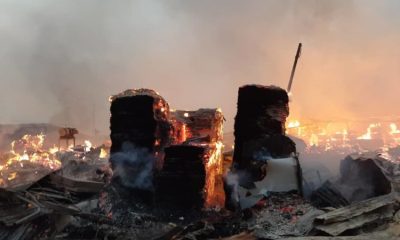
(328, 196)
(356, 215)
(140, 118)
(182, 179)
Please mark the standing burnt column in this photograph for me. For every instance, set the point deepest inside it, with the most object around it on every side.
(198, 150)
(183, 177)
(139, 118)
(260, 128)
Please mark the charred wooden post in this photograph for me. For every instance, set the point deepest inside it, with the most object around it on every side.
(183, 177)
(139, 117)
(203, 128)
(260, 128)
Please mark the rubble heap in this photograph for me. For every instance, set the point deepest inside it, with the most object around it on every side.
(360, 178)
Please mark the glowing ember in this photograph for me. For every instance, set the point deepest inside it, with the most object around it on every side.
(204, 128)
(214, 169)
(30, 148)
(393, 129)
(103, 153)
(54, 150)
(314, 140)
(87, 146)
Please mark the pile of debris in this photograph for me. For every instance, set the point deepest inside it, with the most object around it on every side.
(172, 181)
(363, 198)
(177, 148)
(37, 207)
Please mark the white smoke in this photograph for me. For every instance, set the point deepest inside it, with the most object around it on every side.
(60, 60)
(232, 182)
(134, 167)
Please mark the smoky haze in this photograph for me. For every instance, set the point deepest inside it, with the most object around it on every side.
(60, 60)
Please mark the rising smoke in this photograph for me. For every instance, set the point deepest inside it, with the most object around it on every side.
(134, 167)
(60, 60)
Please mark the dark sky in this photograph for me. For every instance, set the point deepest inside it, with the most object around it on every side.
(60, 60)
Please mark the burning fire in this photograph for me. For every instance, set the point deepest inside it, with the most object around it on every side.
(368, 134)
(103, 153)
(293, 124)
(30, 148)
(87, 146)
(27, 152)
(324, 136)
(214, 194)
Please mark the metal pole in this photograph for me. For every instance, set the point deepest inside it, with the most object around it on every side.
(298, 53)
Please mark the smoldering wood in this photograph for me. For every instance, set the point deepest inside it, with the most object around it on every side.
(203, 128)
(139, 117)
(260, 132)
(204, 124)
(79, 177)
(132, 120)
(261, 114)
(182, 179)
(23, 177)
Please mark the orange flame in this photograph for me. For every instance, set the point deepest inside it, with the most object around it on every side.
(103, 153)
(331, 135)
(214, 193)
(368, 134)
(27, 149)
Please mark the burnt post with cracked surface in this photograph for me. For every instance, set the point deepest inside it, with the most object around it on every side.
(140, 117)
(260, 130)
